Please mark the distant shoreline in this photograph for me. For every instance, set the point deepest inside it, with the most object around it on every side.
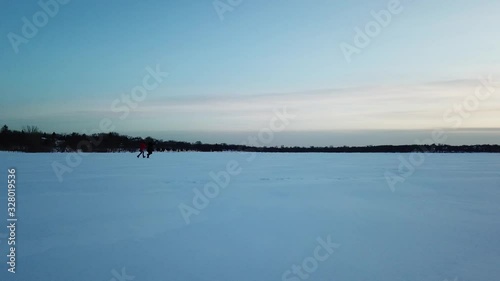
(218, 148)
(277, 152)
(32, 140)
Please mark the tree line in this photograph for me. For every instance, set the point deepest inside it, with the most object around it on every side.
(31, 139)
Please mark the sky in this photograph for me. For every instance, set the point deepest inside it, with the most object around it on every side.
(349, 72)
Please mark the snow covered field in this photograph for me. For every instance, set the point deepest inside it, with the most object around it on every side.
(281, 217)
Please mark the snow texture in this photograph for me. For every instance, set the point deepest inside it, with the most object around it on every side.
(117, 218)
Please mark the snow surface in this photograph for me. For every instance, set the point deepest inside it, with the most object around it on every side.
(116, 214)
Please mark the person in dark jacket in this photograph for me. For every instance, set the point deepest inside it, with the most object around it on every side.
(142, 148)
(150, 148)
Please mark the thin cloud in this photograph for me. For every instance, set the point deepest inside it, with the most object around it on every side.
(413, 106)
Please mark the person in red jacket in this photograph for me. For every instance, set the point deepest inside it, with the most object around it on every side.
(142, 148)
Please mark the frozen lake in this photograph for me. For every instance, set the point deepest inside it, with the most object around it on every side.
(233, 216)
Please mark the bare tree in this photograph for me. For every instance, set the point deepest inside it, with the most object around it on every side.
(31, 130)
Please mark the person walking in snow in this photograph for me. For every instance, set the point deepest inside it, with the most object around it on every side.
(142, 148)
(150, 148)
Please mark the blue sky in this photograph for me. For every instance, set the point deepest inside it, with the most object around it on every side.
(225, 77)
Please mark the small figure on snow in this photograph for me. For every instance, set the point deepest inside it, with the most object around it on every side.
(150, 148)
(142, 148)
